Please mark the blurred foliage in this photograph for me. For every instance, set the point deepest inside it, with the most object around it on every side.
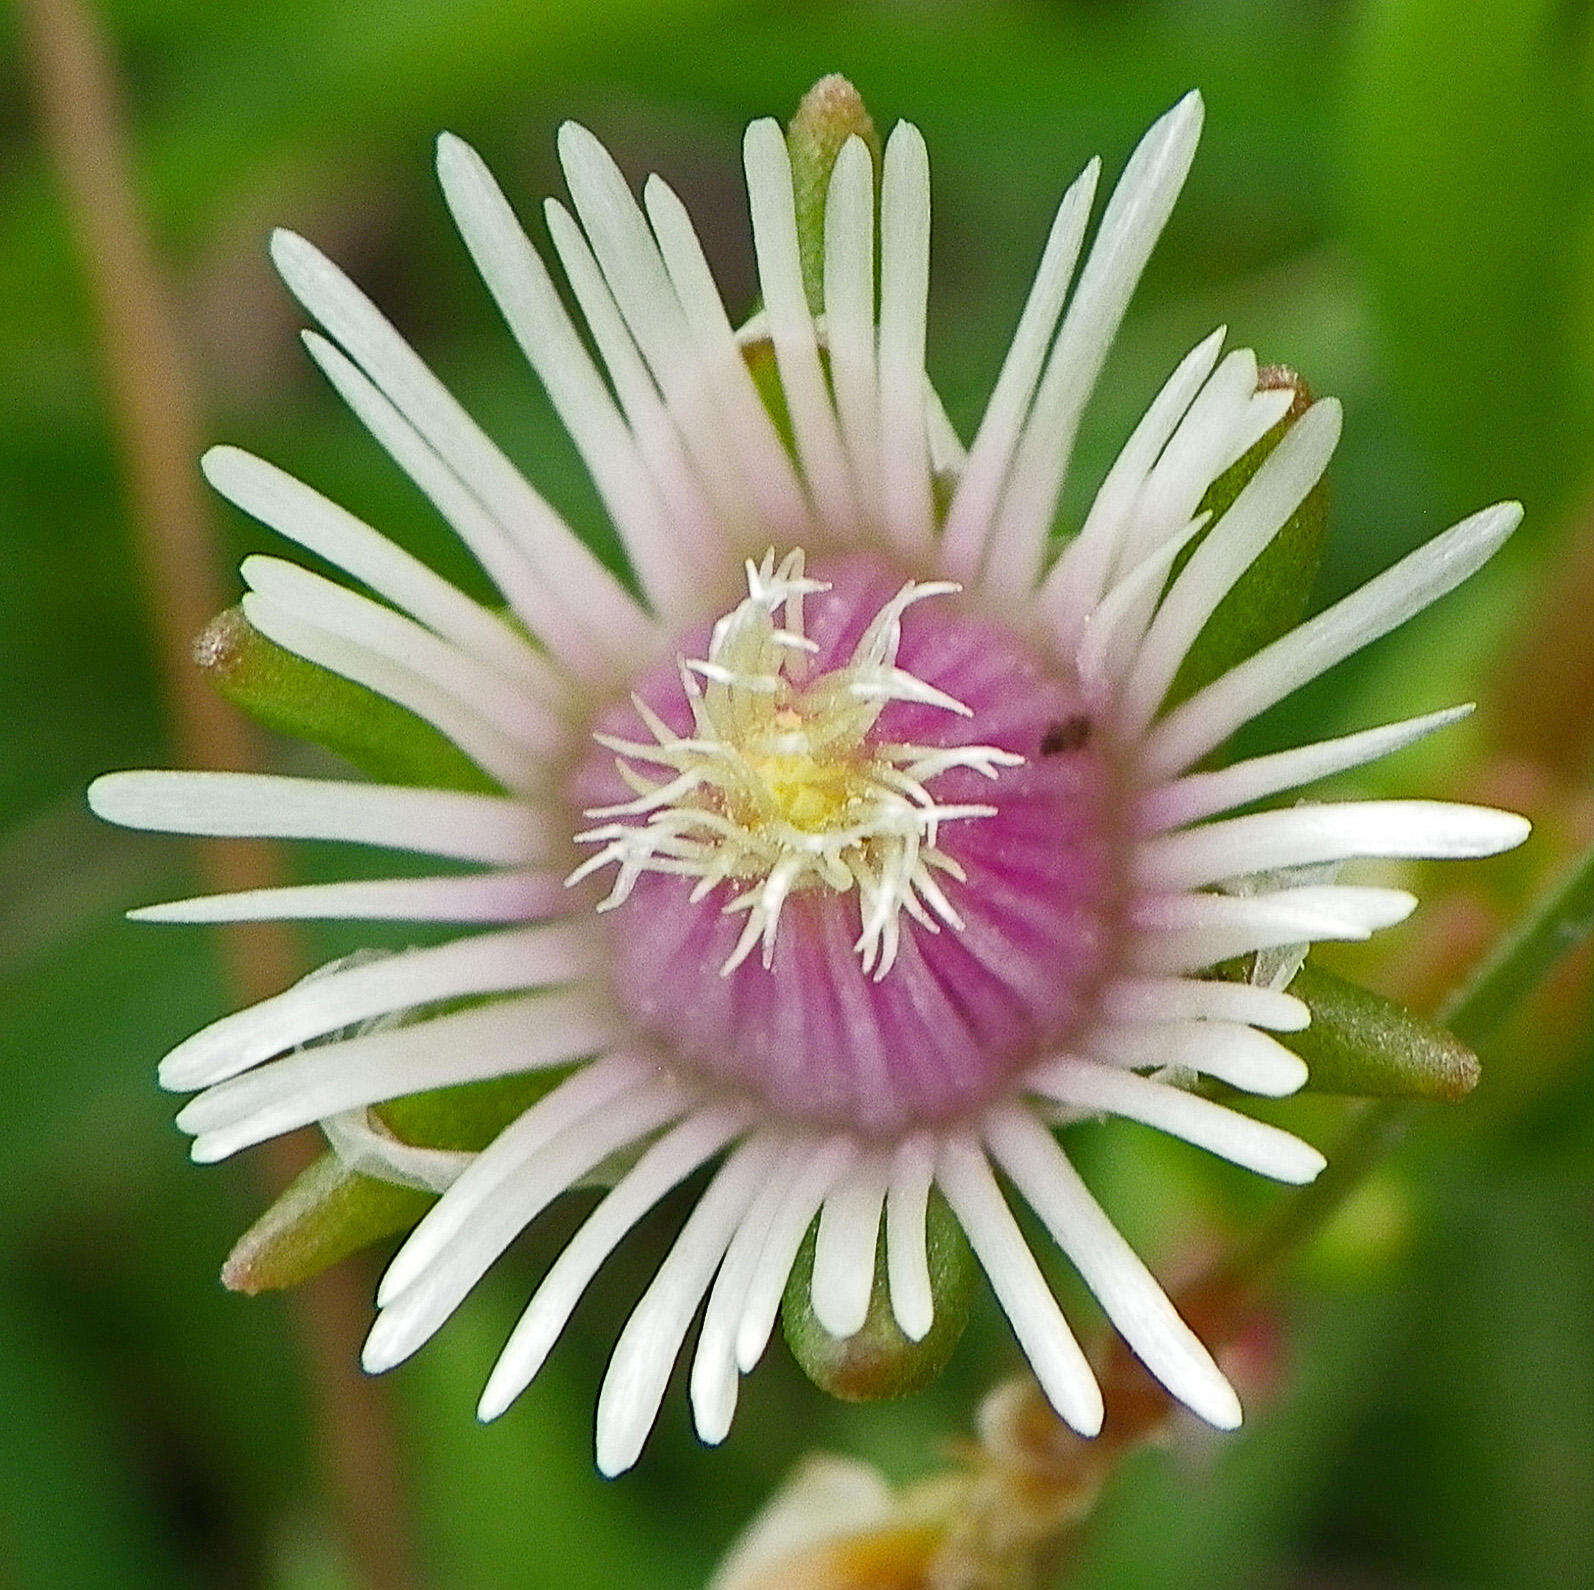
(1394, 196)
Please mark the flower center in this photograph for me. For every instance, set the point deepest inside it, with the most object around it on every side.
(899, 804)
(782, 785)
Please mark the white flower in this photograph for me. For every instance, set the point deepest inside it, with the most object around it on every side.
(916, 762)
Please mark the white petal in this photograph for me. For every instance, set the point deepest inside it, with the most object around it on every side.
(907, 1257)
(1126, 1289)
(578, 607)
(1236, 1054)
(634, 1385)
(680, 483)
(504, 703)
(1208, 718)
(506, 761)
(904, 292)
(791, 327)
(1060, 1367)
(771, 479)
(488, 963)
(1195, 999)
(1199, 795)
(519, 282)
(507, 1036)
(664, 1165)
(844, 1254)
(434, 822)
(560, 1139)
(1233, 544)
(1130, 226)
(714, 1372)
(849, 312)
(1183, 933)
(1310, 834)
(973, 507)
(1079, 578)
(1089, 1085)
(304, 516)
(470, 897)
(830, 1160)
(646, 298)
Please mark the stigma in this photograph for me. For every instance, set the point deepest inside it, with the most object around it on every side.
(783, 783)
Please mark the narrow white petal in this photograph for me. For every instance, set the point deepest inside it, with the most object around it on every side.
(544, 1154)
(646, 298)
(519, 282)
(1079, 578)
(470, 897)
(487, 963)
(830, 1160)
(507, 761)
(1114, 628)
(696, 520)
(634, 1385)
(1064, 1374)
(504, 703)
(849, 313)
(578, 607)
(1198, 795)
(904, 296)
(1130, 226)
(844, 1254)
(973, 505)
(485, 828)
(1211, 715)
(1184, 933)
(664, 1165)
(791, 326)
(1195, 999)
(1226, 1050)
(1302, 836)
(907, 1256)
(1126, 1289)
(509, 1035)
(304, 516)
(771, 479)
(714, 1371)
(1089, 1085)
(1232, 545)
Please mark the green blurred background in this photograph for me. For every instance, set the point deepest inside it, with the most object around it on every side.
(1396, 197)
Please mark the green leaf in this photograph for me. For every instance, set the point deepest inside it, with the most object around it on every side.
(831, 112)
(291, 696)
(1363, 1044)
(879, 1362)
(1270, 598)
(327, 1213)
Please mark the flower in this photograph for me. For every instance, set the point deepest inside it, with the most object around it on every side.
(858, 851)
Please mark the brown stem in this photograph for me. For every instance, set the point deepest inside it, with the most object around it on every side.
(154, 411)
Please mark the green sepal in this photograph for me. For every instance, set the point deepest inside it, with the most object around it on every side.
(327, 1212)
(467, 1117)
(879, 1362)
(1363, 1044)
(1270, 598)
(294, 697)
(831, 112)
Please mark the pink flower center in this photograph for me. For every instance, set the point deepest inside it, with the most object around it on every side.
(992, 961)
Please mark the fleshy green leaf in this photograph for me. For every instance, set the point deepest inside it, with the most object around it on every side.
(1361, 1043)
(327, 1213)
(1270, 598)
(299, 698)
(831, 112)
(879, 1362)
